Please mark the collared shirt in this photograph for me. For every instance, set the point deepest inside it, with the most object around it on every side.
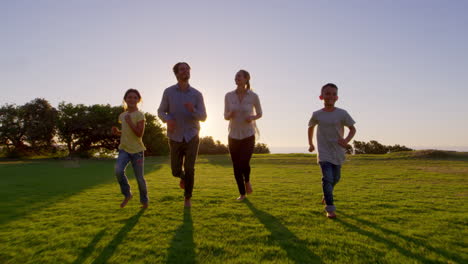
(239, 128)
(330, 129)
(172, 108)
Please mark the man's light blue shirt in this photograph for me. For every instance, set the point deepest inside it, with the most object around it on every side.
(172, 108)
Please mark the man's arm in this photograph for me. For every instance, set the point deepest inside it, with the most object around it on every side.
(163, 110)
(199, 112)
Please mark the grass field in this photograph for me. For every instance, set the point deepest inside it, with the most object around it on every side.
(400, 208)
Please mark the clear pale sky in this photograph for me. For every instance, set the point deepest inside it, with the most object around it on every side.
(401, 66)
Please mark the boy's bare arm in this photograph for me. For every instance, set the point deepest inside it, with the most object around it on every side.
(345, 142)
(310, 135)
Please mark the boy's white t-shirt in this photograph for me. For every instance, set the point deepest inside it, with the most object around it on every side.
(330, 127)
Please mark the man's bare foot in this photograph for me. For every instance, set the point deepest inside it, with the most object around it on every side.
(182, 184)
(187, 202)
(240, 198)
(248, 187)
(125, 201)
(331, 215)
(144, 205)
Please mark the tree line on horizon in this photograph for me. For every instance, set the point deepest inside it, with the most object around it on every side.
(39, 129)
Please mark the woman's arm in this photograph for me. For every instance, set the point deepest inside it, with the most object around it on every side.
(258, 110)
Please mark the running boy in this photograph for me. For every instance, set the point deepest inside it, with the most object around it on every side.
(331, 143)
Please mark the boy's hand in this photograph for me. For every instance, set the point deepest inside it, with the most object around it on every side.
(311, 148)
(343, 143)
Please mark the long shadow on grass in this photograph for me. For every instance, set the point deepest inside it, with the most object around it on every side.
(295, 248)
(379, 239)
(90, 248)
(182, 248)
(31, 186)
(217, 160)
(109, 250)
(415, 241)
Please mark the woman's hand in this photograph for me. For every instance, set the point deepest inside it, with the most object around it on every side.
(250, 119)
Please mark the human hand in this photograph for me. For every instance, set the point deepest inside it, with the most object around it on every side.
(311, 148)
(171, 125)
(232, 114)
(128, 119)
(343, 143)
(189, 107)
(249, 119)
(115, 131)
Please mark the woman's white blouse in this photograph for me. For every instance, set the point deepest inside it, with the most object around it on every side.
(239, 128)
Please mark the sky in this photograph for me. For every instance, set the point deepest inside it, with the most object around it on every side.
(401, 66)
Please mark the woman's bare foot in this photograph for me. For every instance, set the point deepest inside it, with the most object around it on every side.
(187, 202)
(125, 201)
(144, 205)
(248, 187)
(240, 198)
(182, 184)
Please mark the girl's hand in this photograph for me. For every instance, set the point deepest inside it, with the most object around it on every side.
(115, 131)
(128, 118)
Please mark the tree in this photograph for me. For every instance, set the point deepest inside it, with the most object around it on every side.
(87, 129)
(374, 147)
(209, 146)
(12, 129)
(40, 120)
(261, 148)
(154, 138)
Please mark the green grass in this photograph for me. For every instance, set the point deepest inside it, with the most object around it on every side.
(396, 208)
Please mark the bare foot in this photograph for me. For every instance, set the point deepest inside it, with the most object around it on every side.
(187, 202)
(182, 184)
(331, 215)
(144, 205)
(125, 201)
(248, 187)
(240, 198)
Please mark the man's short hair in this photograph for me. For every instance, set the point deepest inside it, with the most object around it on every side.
(175, 69)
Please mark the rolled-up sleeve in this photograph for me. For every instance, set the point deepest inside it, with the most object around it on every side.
(163, 110)
(258, 107)
(200, 110)
(227, 110)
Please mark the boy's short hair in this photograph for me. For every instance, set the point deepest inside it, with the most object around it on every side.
(332, 85)
(175, 69)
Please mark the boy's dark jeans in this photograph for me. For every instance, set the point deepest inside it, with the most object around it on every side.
(331, 175)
